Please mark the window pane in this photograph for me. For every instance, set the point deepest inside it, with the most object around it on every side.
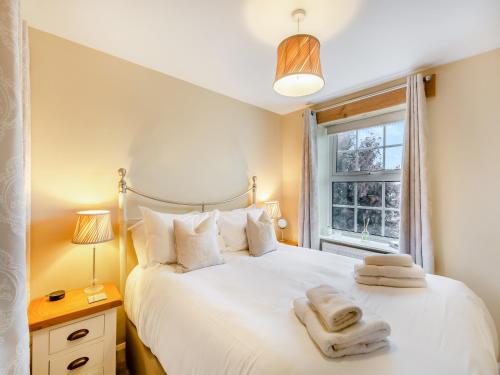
(343, 218)
(394, 133)
(374, 223)
(371, 137)
(393, 157)
(371, 160)
(346, 141)
(392, 194)
(343, 193)
(392, 224)
(346, 161)
(370, 194)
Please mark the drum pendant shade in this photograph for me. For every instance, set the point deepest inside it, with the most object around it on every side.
(298, 70)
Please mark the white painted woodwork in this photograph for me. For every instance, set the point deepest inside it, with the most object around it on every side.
(58, 337)
(51, 355)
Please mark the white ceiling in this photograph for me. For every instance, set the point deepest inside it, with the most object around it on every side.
(229, 46)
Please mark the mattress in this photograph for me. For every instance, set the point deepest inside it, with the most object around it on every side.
(237, 318)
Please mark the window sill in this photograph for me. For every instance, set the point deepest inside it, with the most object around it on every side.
(352, 241)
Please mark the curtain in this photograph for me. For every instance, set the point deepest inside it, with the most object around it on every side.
(14, 335)
(309, 190)
(415, 231)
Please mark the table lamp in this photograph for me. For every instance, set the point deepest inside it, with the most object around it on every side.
(273, 209)
(274, 212)
(93, 227)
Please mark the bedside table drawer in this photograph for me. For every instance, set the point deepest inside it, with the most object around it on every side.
(75, 334)
(79, 361)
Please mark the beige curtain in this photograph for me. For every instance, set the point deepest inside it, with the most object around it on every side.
(415, 231)
(309, 189)
(14, 135)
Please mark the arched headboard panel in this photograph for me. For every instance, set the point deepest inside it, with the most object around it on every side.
(125, 190)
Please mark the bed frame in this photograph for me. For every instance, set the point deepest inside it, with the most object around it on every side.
(140, 360)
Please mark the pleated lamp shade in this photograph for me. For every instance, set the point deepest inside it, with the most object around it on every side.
(93, 227)
(298, 70)
(273, 209)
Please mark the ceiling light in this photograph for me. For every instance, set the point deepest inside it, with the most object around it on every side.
(298, 70)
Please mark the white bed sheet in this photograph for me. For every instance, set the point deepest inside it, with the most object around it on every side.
(237, 318)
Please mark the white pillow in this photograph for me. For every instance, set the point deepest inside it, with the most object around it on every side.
(139, 238)
(197, 246)
(232, 226)
(160, 233)
(261, 235)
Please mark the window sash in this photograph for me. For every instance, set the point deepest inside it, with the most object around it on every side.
(363, 176)
(360, 176)
(356, 206)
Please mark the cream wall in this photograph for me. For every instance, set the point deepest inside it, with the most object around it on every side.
(93, 113)
(464, 123)
(292, 135)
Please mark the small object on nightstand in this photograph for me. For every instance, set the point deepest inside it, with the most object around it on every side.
(72, 334)
(57, 295)
(97, 297)
(282, 224)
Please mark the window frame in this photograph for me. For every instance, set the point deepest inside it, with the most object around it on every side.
(363, 176)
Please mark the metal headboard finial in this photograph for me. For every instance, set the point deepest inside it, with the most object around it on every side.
(122, 184)
(254, 189)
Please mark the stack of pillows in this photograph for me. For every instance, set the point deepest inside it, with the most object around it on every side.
(337, 325)
(393, 270)
(196, 240)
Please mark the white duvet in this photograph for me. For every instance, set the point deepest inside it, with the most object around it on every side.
(237, 318)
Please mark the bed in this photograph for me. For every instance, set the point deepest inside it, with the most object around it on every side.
(237, 318)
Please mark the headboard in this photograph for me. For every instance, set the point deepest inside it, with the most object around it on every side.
(123, 220)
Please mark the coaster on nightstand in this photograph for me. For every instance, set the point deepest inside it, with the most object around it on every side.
(97, 297)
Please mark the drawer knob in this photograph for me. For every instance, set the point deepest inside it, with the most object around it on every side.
(79, 362)
(78, 334)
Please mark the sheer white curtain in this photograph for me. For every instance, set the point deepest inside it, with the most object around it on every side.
(415, 231)
(14, 136)
(309, 189)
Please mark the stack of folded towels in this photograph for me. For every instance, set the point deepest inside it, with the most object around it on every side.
(395, 270)
(337, 325)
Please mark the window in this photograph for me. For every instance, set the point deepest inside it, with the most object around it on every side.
(366, 174)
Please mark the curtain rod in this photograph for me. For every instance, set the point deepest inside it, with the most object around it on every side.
(427, 78)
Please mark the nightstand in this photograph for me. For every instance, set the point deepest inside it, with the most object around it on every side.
(289, 242)
(73, 336)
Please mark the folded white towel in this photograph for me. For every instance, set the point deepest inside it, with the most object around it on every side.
(402, 260)
(390, 281)
(365, 336)
(413, 272)
(335, 310)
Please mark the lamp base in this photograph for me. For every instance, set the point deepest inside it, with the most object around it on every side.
(93, 289)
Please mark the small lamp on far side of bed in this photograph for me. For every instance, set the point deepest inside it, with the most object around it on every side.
(274, 213)
(273, 210)
(93, 227)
